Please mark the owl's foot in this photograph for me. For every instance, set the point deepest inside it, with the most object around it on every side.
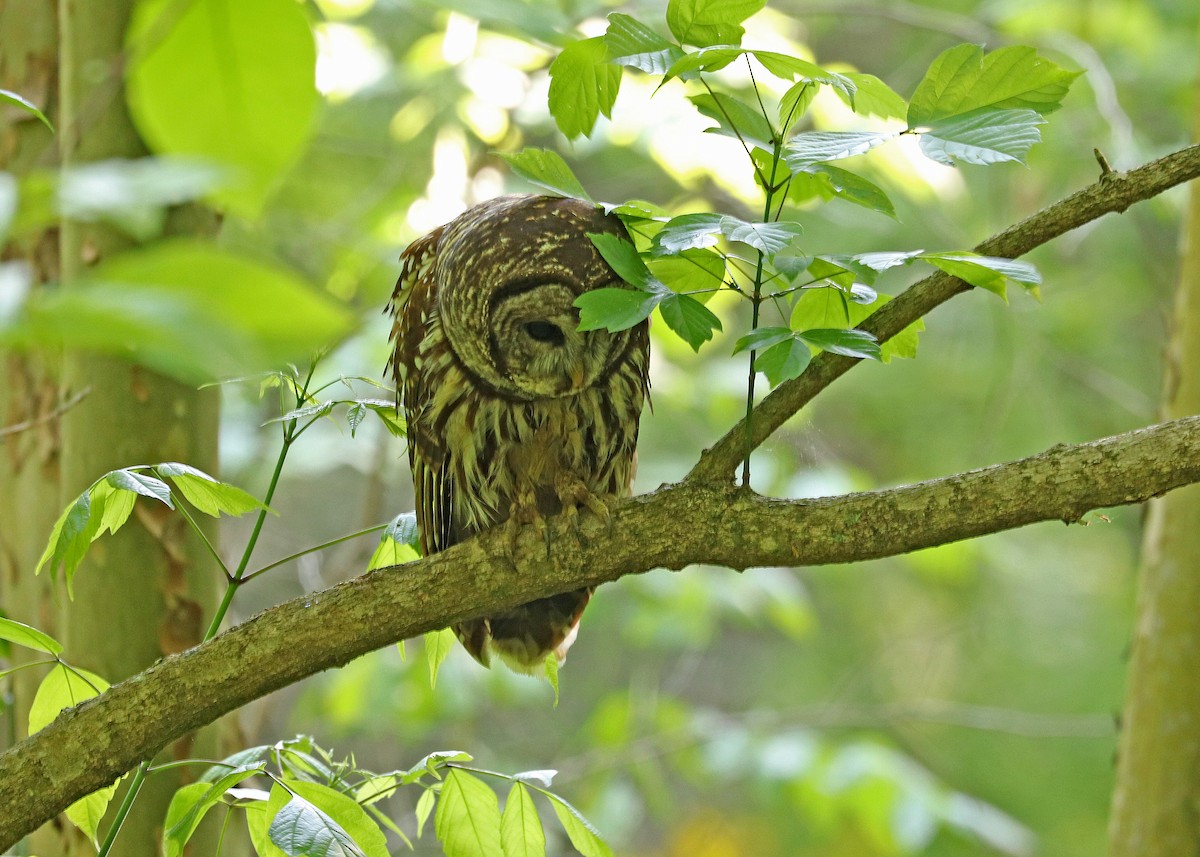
(524, 513)
(572, 493)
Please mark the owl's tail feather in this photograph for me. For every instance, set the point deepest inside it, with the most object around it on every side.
(524, 636)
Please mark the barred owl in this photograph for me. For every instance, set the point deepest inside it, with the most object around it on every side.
(514, 414)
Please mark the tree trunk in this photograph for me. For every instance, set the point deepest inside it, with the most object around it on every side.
(1156, 805)
(29, 445)
(148, 590)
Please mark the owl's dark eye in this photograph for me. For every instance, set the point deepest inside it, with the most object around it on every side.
(544, 331)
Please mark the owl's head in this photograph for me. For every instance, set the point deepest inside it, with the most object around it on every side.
(508, 273)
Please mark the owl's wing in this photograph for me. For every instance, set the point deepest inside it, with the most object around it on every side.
(413, 303)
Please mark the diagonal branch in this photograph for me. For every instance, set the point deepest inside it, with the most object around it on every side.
(1114, 192)
(88, 746)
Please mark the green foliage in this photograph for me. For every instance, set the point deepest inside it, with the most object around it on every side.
(65, 687)
(9, 97)
(200, 71)
(319, 806)
(106, 505)
(30, 638)
(971, 107)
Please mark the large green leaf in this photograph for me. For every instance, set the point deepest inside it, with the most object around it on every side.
(233, 83)
(521, 833)
(982, 136)
(815, 147)
(963, 79)
(546, 169)
(710, 22)
(188, 309)
(468, 817)
(583, 85)
(30, 638)
(65, 687)
(207, 494)
(310, 826)
(190, 803)
(631, 43)
(691, 320)
(735, 118)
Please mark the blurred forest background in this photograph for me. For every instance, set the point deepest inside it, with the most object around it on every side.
(955, 701)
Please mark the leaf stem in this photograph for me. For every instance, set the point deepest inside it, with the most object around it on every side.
(135, 786)
(313, 549)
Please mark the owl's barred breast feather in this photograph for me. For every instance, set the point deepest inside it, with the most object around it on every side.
(511, 410)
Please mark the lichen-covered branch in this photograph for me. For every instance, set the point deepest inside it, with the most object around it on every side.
(87, 747)
(1114, 192)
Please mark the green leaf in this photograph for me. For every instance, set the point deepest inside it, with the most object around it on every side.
(548, 170)
(190, 803)
(424, 808)
(207, 494)
(468, 817)
(302, 830)
(691, 320)
(760, 338)
(376, 788)
(689, 271)
(73, 532)
(791, 68)
(355, 414)
(710, 22)
(583, 85)
(615, 309)
(983, 136)
(987, 272)
(147, 486)
(814, 147)
(825, 308)
(872, 97)
(768, 238)
(398, 544)
(848, 342)
(9, 97)
(624, 259)
(308, 827)
(29, 637)
(432, 764)
(437, 646)
(112, 505)
(583, 835)
(391, 418)
(521, 833)
(631, 43)
(795, 103)
(783, 361)
(734, 118)
(551, 668)
(963, 79)
(64, 688)
(200, 71)
(189, 309)
(687, 232)
(826, 181)
(248, 757)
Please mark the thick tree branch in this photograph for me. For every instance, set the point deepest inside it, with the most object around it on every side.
(87, 747)
(1114, 192)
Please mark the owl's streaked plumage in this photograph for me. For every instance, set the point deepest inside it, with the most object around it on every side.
(513, 412)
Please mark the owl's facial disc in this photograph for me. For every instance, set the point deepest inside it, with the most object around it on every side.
(536, 346)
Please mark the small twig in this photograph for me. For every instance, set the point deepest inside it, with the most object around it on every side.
(1105, 169)
(59, 410)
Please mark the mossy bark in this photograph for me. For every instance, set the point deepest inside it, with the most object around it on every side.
(148, 591)
(1156, 804)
